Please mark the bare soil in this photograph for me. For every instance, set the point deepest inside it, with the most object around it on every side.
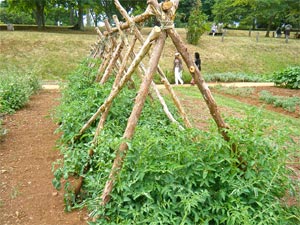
(275, 91)
(26, 155)
(28, 150)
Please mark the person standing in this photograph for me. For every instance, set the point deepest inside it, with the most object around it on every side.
(177, 68)
(214, 29)
(288, 28)
(198, 64)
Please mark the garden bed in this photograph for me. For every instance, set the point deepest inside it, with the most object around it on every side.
(27, 195)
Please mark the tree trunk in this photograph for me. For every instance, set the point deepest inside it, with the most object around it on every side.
(40, 16)
(88, 18)
(72, 22)
(80, 15)
(269, 26)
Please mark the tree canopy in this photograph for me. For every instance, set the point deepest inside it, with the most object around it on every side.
(249, 13)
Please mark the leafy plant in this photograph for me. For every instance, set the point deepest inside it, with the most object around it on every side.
(196, 25)
(232, 77)
(289, 78)
(234, 90)
(172, 176)
(287, 103)
(15, 90)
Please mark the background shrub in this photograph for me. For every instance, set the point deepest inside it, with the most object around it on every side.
(15, 90)
(289, 78)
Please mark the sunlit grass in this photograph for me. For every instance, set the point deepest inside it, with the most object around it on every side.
(54, 55)
(51, 56)
(283, 121)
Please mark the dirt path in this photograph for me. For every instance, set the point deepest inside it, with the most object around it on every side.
(26, 154)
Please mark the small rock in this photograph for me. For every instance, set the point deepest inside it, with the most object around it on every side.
(3, 171)
(54, 193)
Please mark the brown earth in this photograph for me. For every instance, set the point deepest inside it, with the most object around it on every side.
(26, 155)
(275, 91)
(27, 152)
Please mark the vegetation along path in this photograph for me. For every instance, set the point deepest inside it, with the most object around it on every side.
(27, 195)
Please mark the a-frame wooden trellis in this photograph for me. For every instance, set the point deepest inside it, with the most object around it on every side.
(109, 49)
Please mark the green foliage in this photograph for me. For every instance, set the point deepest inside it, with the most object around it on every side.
(196, 24)
(15, 17)
(244, 91)
(288, 103)
(232, 77)
(173, 176)
(289, 77)
(15, 90)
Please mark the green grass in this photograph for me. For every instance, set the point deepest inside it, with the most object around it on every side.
(52, 56)
(282, 121)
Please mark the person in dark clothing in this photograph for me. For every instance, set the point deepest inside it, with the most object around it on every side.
(278, 32)
(198, 64)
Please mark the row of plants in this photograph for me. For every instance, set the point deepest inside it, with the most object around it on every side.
(233, 77)
(288, 78)
(288, 103)
(238, 91)
(217, 77)
(15, 90)
(171, 176)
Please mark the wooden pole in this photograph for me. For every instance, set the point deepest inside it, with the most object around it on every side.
(116, 82)
(143, 51)
(133, 119)
(160, 71)
(202, 86)
(113, 60)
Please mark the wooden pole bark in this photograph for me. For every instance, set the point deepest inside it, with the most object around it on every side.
(112, 62)
(133, 119)
(143, 51)
(202, 86)
(161, 99)
(137, 19)
(104, 64)
(160, 71)
(116, 82)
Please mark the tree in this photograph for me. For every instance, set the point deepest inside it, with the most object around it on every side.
(7, 16)
(36, 7)
(196, 24)
(267, 13)
(207, 6)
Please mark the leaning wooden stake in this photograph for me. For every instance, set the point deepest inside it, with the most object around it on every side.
(199, 81)
(112, 62)
(134, 117)
(160, 71)
(144, 50)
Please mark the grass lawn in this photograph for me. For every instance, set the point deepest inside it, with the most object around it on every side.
(51, 56)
